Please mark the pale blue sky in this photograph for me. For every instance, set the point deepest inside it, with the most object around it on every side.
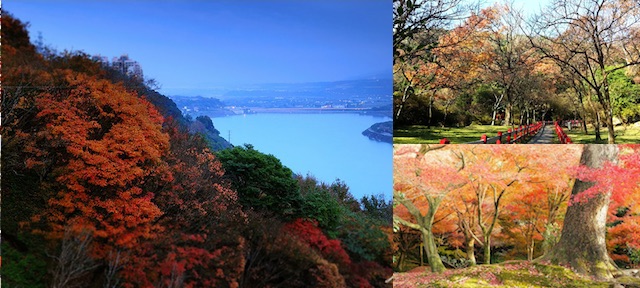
(529, 7)
(207, 44)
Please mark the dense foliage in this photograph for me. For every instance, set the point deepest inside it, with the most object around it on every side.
(106, 184)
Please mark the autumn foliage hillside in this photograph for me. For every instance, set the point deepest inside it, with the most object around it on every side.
(105, 185)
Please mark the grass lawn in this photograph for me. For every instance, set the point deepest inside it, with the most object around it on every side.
(507, 274)
(631, 135)
(418, 134)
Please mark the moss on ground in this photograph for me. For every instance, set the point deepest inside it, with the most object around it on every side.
(507, 274)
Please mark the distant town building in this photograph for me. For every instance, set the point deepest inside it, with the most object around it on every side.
(127, 66)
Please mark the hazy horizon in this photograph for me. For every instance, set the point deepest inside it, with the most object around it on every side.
(204, 45)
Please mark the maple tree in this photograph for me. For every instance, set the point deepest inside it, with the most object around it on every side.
(605, 175)
(96, 158)
(623, 228)
(536, 212)
(460, 56)
(417, 25)
(497, 182)
(196, 203)
(420, 185)
(490, 177)
(511, 58)
(528, 218)
(623, 212)
(276, 257)
(100, 143)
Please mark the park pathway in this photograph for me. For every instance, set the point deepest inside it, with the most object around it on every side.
(546, 136)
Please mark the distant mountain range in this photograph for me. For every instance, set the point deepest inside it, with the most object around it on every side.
(373, 95)
(336, 89)
(376, 84)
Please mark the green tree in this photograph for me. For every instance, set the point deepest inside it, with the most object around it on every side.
(378, 208)
(262, 182)
(625, 96)
(324, 208)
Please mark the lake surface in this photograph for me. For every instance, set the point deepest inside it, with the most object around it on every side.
(327, 146)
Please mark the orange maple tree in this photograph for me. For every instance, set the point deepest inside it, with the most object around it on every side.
(423, 176)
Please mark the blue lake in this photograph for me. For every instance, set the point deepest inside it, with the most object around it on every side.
(328, 146)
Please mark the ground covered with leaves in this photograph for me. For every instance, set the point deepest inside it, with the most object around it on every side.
(507, 274)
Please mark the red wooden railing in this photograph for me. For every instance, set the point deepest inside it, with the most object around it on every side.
(516, 135)
(562, 136)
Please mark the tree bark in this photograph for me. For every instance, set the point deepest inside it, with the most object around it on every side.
(605, 100)
(507, 114)
(582, 242)
(432, 251)
(471, 256)
(486, 249)
(431, 99)
(429, 240)
(608, 120)
(424, 225)
(530, 249)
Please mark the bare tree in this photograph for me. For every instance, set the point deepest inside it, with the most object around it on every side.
(512, 60)
(411, 17)
(73, 263)
(591, 38)
(114, 265)
(175, 280)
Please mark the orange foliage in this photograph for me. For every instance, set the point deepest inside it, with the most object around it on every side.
(161, 203)
(526, 187)
(105, 142)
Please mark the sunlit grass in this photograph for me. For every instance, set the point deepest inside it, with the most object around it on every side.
(623, 136)
(418, 134)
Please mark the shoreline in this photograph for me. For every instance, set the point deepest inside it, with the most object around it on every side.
(250, 111)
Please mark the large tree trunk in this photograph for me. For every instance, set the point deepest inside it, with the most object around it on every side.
(424, 225)
(582, 242)
(471, 249)
(486, 249)
(530, 249)
(493, 117)
(608, 120)
(429, 240)
(432, 251)
(507, 113)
